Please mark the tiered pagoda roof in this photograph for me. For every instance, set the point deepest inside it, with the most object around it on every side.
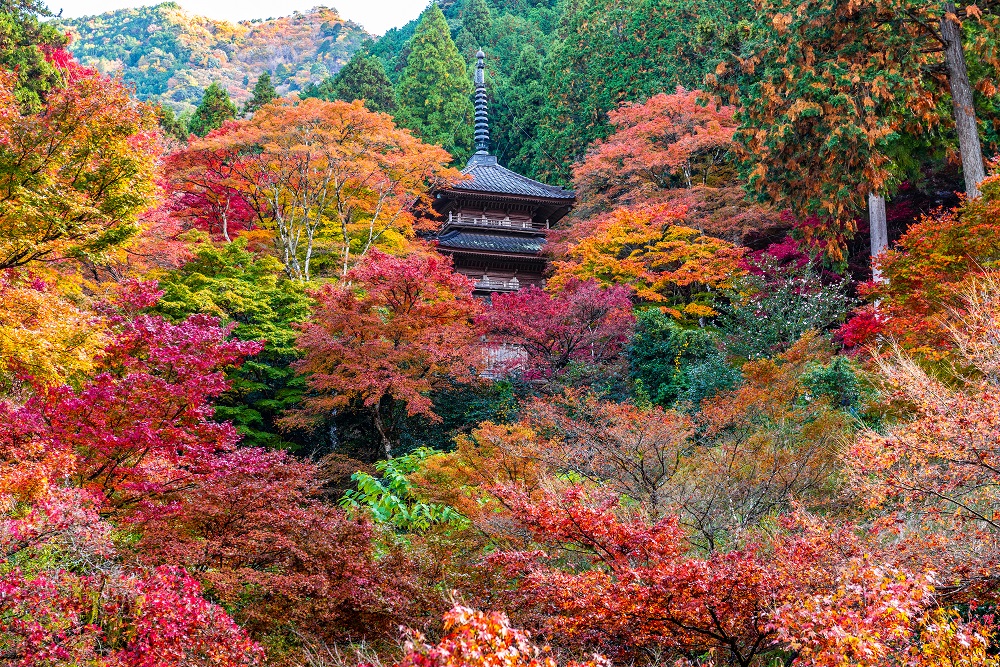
(496, 221)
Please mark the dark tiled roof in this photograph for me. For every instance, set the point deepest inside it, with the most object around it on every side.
(488, 176)
(463, 240)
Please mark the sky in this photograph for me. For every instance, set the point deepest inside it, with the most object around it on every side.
(376, 16)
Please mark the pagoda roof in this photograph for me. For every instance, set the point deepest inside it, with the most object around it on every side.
(465, 240)
(489, 177)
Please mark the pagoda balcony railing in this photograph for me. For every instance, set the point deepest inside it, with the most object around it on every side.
(486, 221)
(498, 284)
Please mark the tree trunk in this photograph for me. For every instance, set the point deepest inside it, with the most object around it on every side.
(879, 231)
(380, 425)
(962, 103)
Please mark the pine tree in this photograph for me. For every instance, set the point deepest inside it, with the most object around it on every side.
(363, 78)
(215, 109)
(435, 91)
(263, 92)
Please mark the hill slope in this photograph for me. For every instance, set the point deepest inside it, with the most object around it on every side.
(171, 56)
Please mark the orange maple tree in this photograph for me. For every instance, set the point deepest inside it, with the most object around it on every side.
(675, 148)
(74, 175)
(648, 248)
(318, 173)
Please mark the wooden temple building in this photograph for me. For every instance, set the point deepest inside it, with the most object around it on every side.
(496, 222)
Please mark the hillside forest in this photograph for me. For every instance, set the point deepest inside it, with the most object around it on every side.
(250, 416)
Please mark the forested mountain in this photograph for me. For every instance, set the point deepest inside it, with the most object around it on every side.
(171, 55)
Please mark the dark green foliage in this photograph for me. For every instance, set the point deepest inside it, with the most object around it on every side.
(671, 363)
(477, 19)
(765, 316)
(263, 93)
(215, 109)
(434, 94)
(611, 51)
(171, 124)
(229, 282)
(363, 78)
(837, 380)
(23, 42)
(461, 409)
(517, 111)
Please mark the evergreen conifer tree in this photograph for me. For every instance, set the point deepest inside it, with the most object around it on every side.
(434, 95)
(363, 78)
(263, 92)
(215, 109)
(476, 18)
(521, 103)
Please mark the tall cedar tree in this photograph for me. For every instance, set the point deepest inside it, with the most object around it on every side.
(263, 92)
(362, 78)
(215, 109)
(435, 92)
(829, 88)
(30, 48)
(521, 94)
(476, 19)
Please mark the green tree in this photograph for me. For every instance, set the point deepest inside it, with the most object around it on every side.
(518, 114)
(171, 124)
(611, 51)
(434, 95)
(215, 109)
(476, 18)
(672, 363)
(263, 92)
(362, 78)
(24, 41)
(234, 284)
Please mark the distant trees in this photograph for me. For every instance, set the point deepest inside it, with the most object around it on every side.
(214, 110)
(362, 78)
(263, 93)
(434, 93)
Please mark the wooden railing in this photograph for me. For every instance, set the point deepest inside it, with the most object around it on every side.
(486, 221)
(498, 284)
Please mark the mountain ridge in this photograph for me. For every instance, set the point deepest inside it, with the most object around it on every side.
(170, 55)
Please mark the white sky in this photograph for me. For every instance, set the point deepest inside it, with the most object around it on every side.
(376, 16)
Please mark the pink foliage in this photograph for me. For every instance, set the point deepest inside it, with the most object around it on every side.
(142, 425)
(581, 323)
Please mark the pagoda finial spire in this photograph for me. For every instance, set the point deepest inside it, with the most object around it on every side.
(482, 118)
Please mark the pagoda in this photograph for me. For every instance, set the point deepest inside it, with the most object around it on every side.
(496, 221)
